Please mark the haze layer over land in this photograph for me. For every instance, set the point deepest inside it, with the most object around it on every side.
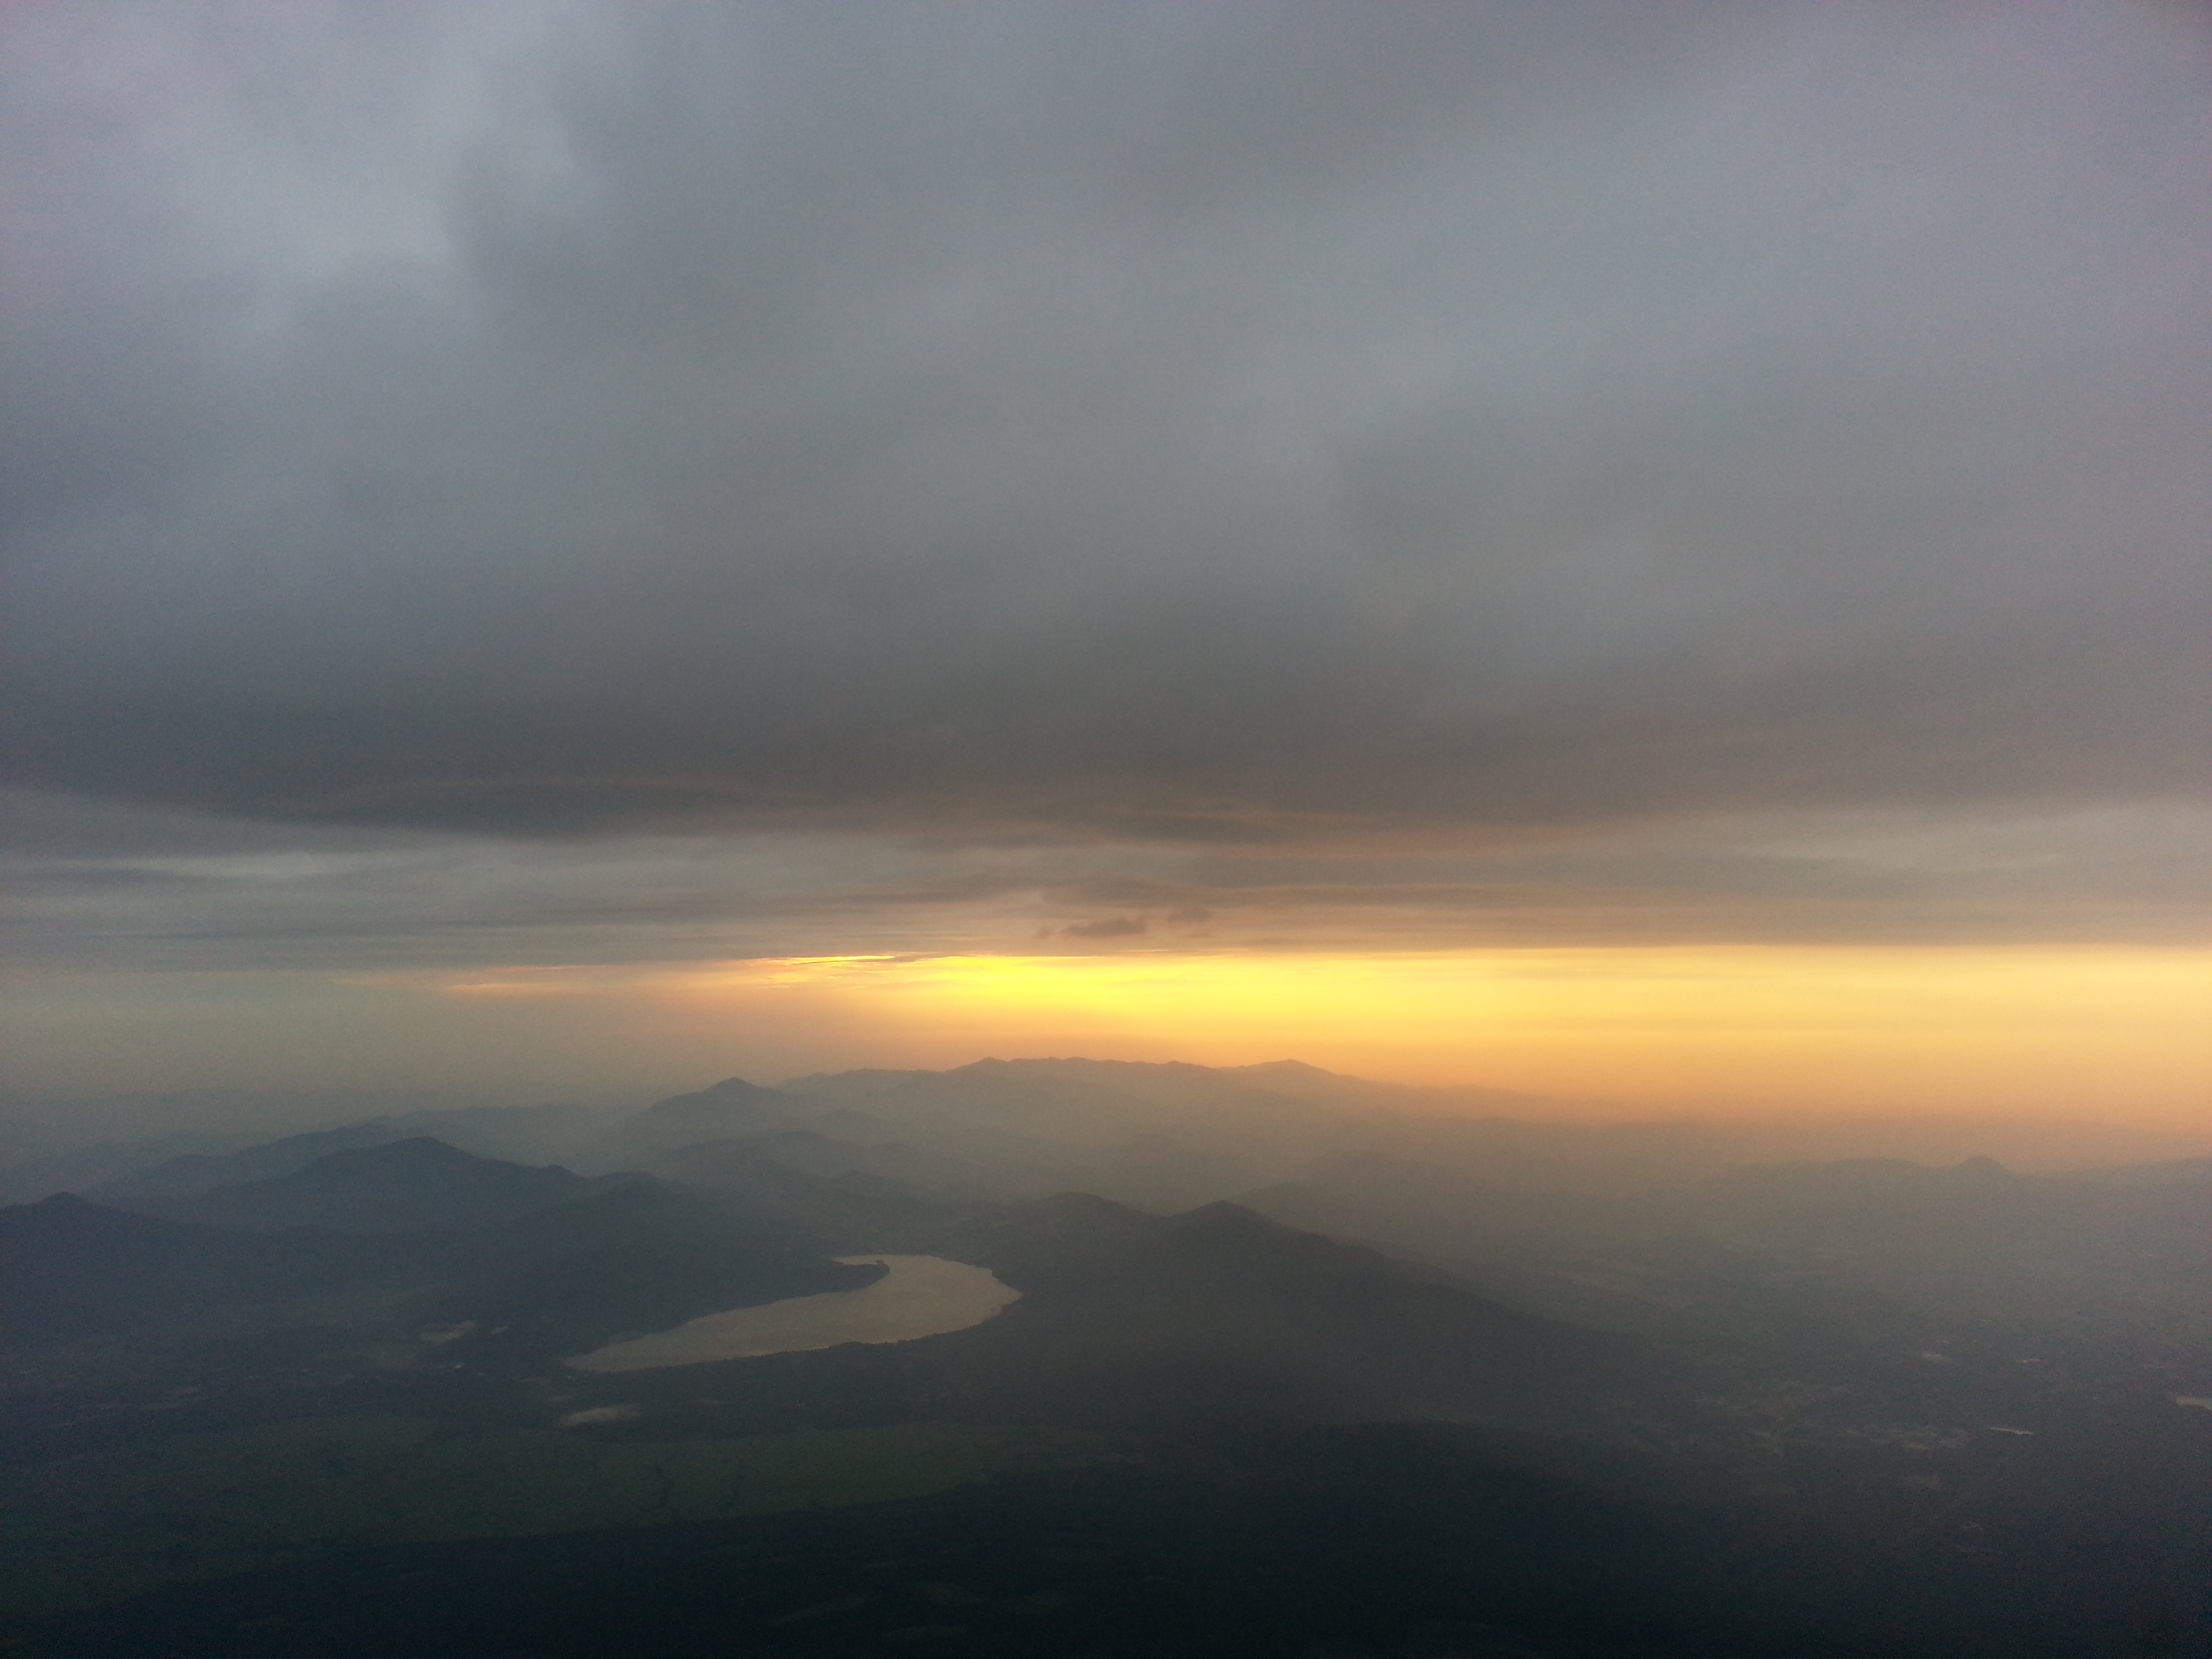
(1207, 1364)
(1640, 552)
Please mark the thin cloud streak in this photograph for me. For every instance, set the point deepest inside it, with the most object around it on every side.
(98, 888)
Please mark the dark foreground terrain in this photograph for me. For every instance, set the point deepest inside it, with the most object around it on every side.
(1357, 1540)
(1350, 1541)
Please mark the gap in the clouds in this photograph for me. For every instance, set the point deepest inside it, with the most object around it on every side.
(2113, 1033)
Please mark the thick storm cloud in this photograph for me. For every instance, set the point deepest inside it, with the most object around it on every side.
(1156, 421)
(634, 481)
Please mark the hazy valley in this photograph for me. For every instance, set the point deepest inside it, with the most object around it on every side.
(1604, 1389)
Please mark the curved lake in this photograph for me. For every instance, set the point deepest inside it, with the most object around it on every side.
(920, 1296)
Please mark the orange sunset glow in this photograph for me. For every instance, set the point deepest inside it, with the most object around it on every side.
(2106, 1033)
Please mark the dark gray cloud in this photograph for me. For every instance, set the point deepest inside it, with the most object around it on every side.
(1045, 425)
(98, 889)
(1108, 927)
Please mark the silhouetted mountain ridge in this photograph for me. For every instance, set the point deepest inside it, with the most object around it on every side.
(413, 1185)
(200, 1172)
(1131, 1317)
(77, 1268)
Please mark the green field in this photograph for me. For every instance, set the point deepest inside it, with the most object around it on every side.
(100, 1529)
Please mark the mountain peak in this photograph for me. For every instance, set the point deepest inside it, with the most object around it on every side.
(1083, 1203)
(418, 1183)
(730, 1091)
(1225, 1212)
(1980, 1170)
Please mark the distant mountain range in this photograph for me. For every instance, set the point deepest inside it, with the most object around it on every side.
(1216, 1311)
(1168, 1135)
(1652, 1228)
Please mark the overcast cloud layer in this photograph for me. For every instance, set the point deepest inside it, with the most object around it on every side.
(663, 479)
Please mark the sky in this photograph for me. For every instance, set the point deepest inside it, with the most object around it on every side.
(1626, 550)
